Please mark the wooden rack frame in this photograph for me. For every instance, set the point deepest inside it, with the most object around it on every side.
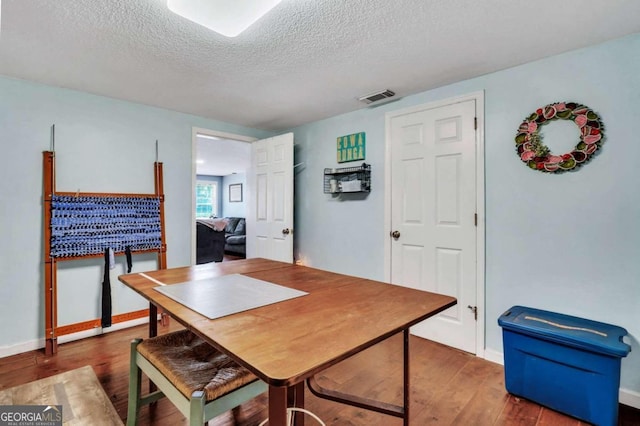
(52, 330)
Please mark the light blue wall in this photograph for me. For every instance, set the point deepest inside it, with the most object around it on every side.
(235, 209)
(102, 145)
(567, 243)
(218, 179)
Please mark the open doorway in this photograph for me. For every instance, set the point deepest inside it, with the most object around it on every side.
(220, 164)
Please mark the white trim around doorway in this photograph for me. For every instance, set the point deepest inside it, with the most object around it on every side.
(195, 131)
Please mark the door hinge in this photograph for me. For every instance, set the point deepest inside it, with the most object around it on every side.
(475, 123)
(475, 219)
(474, 309)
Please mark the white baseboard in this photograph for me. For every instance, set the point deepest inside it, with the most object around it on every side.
(98, 331)
(494, 356)
(19, 348)
(630, 398)
(33, 345)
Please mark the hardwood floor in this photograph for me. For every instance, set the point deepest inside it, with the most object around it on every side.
(228, 257)
(449, 387)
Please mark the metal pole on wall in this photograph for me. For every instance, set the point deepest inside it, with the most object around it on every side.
(50, 285)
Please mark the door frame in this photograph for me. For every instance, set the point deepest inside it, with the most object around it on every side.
(195, 131)
(480, 206)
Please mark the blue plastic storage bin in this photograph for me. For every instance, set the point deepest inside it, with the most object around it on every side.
(566, 363)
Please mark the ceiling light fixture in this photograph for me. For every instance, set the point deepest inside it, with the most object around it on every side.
(227, 17)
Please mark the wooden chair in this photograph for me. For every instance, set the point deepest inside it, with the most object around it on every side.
(198, 379)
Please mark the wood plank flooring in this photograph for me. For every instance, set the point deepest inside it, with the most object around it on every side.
(449, 387)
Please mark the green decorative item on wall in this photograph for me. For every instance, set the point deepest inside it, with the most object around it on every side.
(538, 156)
(351, 147)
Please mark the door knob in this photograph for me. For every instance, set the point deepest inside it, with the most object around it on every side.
(286, 231)
(395, 235)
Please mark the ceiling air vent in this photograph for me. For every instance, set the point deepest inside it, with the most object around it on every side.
(377, 96)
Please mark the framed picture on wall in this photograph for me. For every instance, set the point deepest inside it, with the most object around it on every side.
(235, 193)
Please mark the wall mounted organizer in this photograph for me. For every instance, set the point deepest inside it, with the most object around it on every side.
(347, 179)
(83, 225)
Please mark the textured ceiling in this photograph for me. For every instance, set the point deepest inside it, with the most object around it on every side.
(304, 61)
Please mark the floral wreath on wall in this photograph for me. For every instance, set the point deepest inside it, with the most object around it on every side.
(539, 157)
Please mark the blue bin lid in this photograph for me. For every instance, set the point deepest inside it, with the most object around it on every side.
(564, 329)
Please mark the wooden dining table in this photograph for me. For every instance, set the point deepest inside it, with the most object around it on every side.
(288, 342)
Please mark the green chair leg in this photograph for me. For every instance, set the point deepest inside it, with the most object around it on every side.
(196, 409)
(135, 377)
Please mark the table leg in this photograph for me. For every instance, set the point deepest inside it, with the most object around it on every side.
(153, 332)
(277, 406)
(407, 388)
(153, 320)
(370, 404)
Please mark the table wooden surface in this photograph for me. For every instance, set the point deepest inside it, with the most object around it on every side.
(290, 341)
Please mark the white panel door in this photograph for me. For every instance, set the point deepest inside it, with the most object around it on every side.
(270, 199)
(433, 184)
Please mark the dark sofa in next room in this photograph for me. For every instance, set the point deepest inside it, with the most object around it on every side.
(235, 236)
(209, 242)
